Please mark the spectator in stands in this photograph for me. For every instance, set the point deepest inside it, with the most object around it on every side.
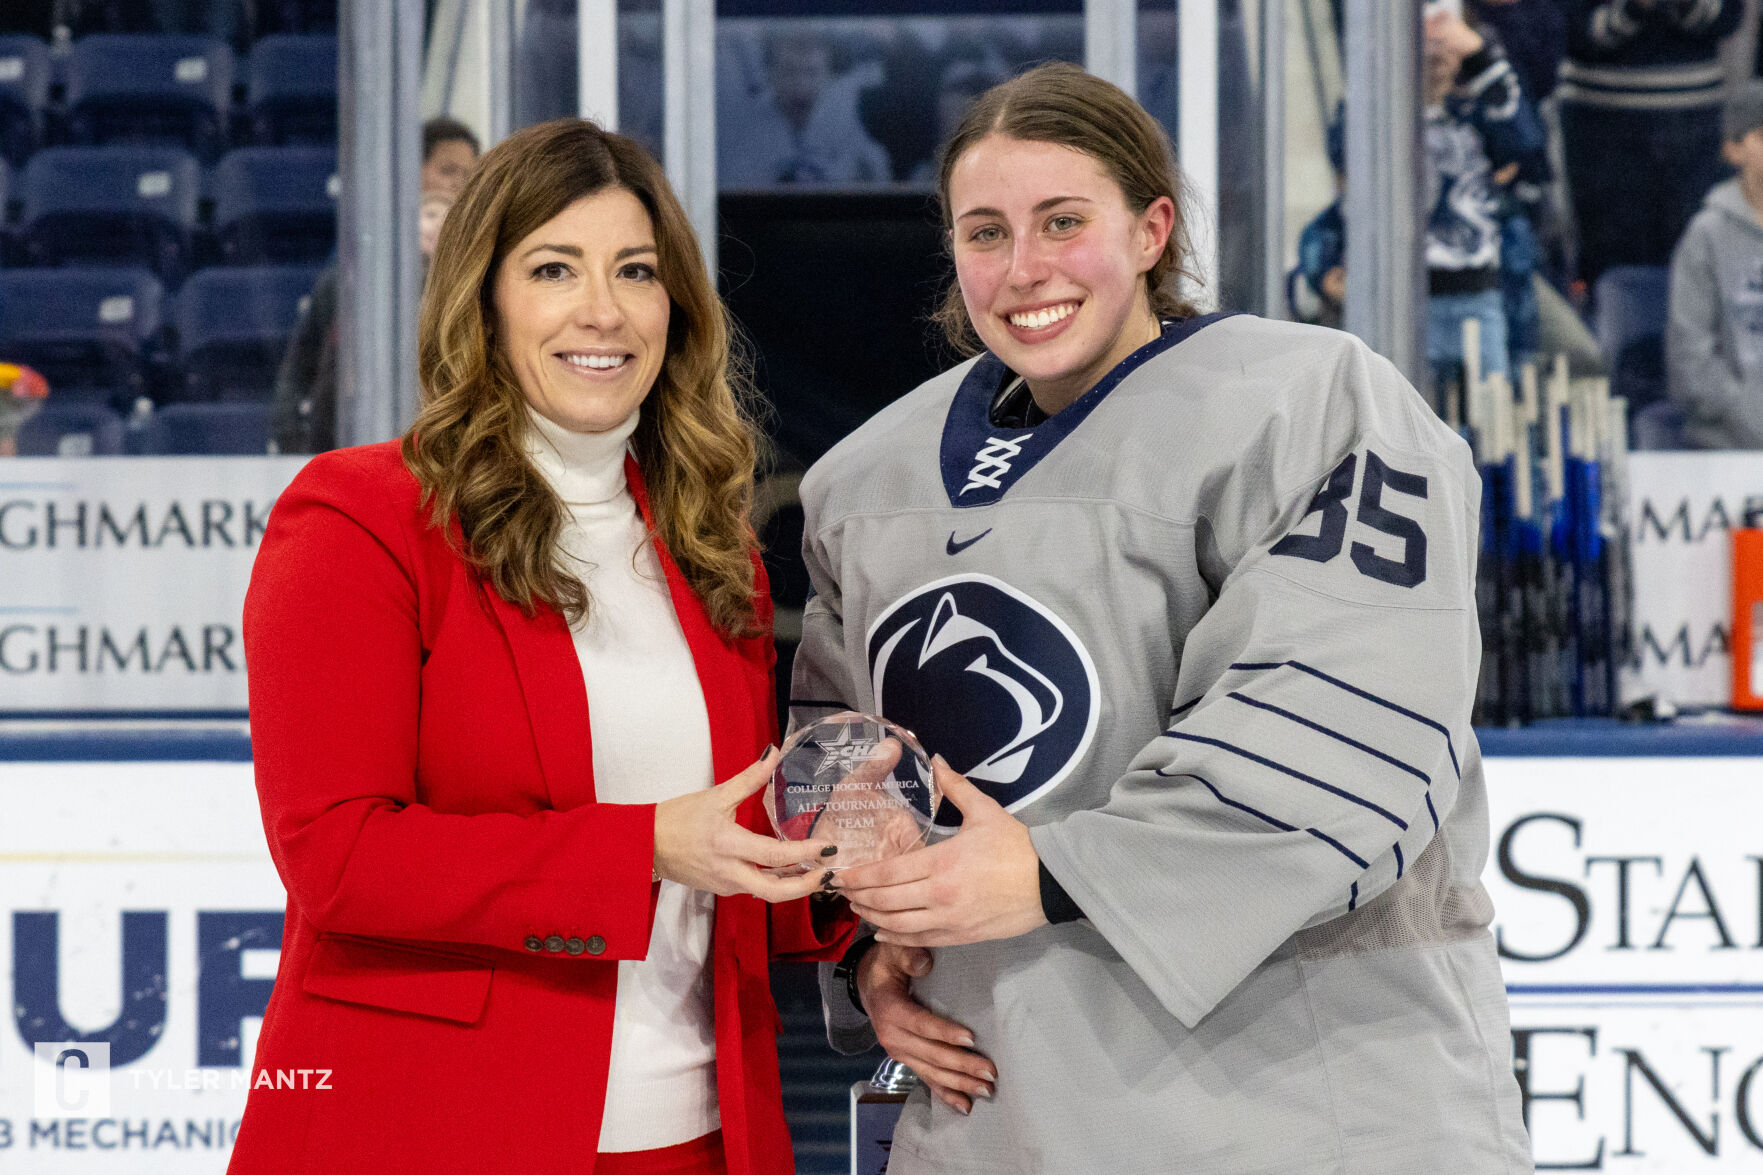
(962, 80)
(900, 112)
(304, 416)
(802, 127)
(1536, 235)
(22, 392)
(1482, 137)
(547, 66)
(1317, 289)
(436, 203)
(1640, 122)
(559, 545)
(1533, 34)
(1714, 341)
(449, 152)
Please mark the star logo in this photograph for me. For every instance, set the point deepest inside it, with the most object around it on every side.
(844, 754)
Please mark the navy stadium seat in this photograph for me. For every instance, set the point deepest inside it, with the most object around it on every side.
(5, 213)
(294, 16)
(292, 92)
(24, 95)
(1659, 426)
(239, 429)
(1630, 302)
(92, 332)
(233, 325)
(110, 205)
(276, 205)
(75, 429)
(140, 88)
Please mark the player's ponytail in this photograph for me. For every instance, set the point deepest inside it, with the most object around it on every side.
(1060, 103)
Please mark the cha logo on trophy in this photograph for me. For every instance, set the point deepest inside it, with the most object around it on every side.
(856, 780)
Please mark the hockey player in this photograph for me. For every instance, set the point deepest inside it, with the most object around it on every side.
(1185, 603)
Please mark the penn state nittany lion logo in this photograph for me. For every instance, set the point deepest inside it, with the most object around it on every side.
(990, 679)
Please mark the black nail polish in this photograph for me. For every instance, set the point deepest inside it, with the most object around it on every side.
(826, 882)
(829, 850)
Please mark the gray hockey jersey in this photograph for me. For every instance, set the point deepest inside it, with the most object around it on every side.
(1210, 632)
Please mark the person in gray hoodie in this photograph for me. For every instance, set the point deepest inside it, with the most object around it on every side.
(1714, 340)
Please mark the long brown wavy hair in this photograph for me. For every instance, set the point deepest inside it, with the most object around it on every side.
(695, 443)
(1060, 103)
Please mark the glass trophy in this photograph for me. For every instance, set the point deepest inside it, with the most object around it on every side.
(856, 780)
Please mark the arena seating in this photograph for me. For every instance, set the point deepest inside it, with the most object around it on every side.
(232, 326)
(237, 429)
(71, 428)
(111, 206)
(291, 95)
(276, 205)
(294, 16)
(161, 226)
(24, 95)
(1630, 302)
(94, 333)
(175, 90)
(1659, 426)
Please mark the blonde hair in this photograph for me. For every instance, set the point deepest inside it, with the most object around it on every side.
(695, 444)
(1060, 103)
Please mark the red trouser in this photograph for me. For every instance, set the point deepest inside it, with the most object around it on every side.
(700, 1156)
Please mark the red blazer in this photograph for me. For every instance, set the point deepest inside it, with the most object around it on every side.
(423, 758)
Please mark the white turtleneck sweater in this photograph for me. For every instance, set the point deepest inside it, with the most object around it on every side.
(651, 736)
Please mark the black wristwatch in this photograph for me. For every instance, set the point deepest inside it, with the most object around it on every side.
(846, 969)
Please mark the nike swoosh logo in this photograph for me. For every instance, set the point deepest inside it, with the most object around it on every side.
(955, 548)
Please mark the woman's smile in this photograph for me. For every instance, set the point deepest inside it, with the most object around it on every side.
(1052, 262)
(1037, 324)
(582, 316)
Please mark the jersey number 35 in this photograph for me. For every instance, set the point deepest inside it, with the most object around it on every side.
(1331, 502)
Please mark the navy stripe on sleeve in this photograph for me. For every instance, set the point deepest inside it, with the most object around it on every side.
(1348, 853)
(1184, 707)
(1230, 803)
(1294, 773)
(1366, 694)
(1264, 817)
(1334, 734)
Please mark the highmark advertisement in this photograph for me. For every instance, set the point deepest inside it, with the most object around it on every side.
(1682, 510)
(122, 580)
(142, 921)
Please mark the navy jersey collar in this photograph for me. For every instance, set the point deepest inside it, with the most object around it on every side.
(980, 462)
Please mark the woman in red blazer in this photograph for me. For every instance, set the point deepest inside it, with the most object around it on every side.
(420, 637)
